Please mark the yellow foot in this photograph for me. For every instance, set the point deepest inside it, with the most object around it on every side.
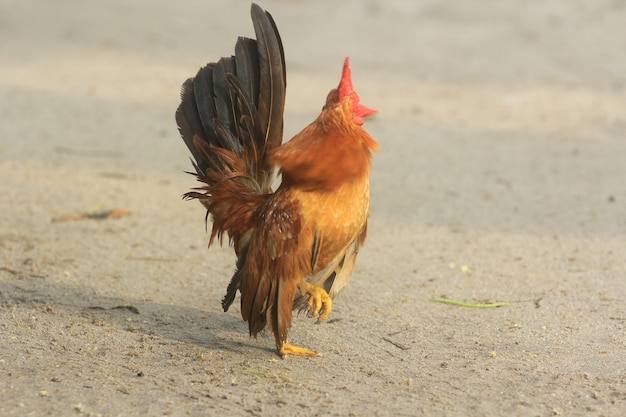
(287, 349)
(319, 304)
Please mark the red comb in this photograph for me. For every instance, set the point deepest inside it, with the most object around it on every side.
(345, 85)
(346, 89)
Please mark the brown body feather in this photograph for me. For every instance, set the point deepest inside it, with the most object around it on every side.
(311, 228)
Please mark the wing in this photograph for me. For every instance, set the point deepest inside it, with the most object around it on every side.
(335, 276)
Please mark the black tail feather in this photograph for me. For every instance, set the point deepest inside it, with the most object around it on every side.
(204, 102)
(247, 63)
(273, 78)
(191, 128)
(224, 110)
(237, 104)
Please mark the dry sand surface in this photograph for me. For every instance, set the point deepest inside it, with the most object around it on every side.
(501, 177)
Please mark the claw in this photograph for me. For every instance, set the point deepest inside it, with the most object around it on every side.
(320, 304)
(288, 349)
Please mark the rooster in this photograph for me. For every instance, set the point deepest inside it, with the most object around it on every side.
(296, 246)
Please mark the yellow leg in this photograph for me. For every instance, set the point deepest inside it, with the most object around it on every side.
(320, 304)
(288, 349)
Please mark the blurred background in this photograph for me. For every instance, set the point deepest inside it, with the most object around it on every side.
(95, 84)
(500, 177)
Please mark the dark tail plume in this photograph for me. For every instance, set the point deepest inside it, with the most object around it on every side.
(237, 104)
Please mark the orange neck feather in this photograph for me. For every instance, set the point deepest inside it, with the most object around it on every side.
(329, 152)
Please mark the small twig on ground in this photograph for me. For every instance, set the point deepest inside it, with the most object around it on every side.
(97, 215)
(397, 344)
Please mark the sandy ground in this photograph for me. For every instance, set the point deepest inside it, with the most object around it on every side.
(500, 179)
